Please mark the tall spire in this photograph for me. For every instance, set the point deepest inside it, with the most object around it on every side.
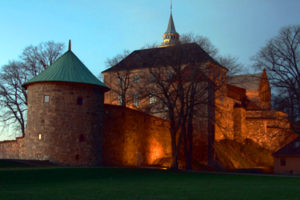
(171, 37)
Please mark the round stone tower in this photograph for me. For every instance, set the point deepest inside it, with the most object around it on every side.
(65, 114)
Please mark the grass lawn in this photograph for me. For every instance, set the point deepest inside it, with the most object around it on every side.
(142, 184)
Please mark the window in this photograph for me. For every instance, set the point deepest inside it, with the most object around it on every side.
(120, 100)
(152, 78)
(169, 75)
(282, 162)
(152, 99)
(40, 136)
(136, 78)
(79, 101)
(136, 100)
(81, 138)
(46, 99)
(297, 144)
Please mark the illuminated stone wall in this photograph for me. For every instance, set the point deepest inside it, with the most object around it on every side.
(132, 138)
(268, 128)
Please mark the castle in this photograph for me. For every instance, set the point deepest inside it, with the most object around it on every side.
(69, 123)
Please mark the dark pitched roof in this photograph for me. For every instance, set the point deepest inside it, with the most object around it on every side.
(291, 149)
(247, 81)
(67, 68)
(171, 26)
(164, 56)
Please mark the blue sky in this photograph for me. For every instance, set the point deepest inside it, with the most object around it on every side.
(101, 29)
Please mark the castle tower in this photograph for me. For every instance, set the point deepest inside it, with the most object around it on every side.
(65, 114)
(171, 37)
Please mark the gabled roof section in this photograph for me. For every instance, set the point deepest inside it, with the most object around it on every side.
(249, 82)
(164, 56)
(171, 26)
(291, 149)
(67, 68)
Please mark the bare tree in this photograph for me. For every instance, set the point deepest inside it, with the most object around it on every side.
(230, 62)
(281, 58)
(120, 83)
(13, 97)
(182, 94)
(37, 58)
(202, 41)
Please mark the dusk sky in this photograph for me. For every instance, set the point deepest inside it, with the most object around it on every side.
(101, 29)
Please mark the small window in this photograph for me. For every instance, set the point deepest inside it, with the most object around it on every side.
(120, 100)
(46, 99)
(136, 78)
(152, 78)
(79, 101)
(169, 76)
(282, 162)
(136, 100)
(297, 144)
(152, 99)
(81, 138)
(40, 136)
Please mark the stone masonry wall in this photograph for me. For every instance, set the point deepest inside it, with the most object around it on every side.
(132, 138)
(268, 128)
(10, 149)
(62, 130)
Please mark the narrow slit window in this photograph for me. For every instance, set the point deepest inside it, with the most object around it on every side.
(282, 162)
(152, 98)
(136, 78)
(136, 100)
(46, 99)
(79, 101)
(81, 138)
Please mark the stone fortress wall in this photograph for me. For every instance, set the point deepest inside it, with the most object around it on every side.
(67, 129)
(66, 132)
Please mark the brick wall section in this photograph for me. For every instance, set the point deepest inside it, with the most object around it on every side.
(10, 149)
(132, 138)
(69, 133)
(292, 165)
(268, 128)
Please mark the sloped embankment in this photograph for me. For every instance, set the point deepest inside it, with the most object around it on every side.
(231, 154)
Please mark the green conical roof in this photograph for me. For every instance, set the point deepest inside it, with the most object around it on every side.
(67, 68)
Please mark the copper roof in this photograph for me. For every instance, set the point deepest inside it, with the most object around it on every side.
(67, 68)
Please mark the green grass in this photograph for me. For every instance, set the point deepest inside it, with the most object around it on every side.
(142, 184)
(11, 164)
